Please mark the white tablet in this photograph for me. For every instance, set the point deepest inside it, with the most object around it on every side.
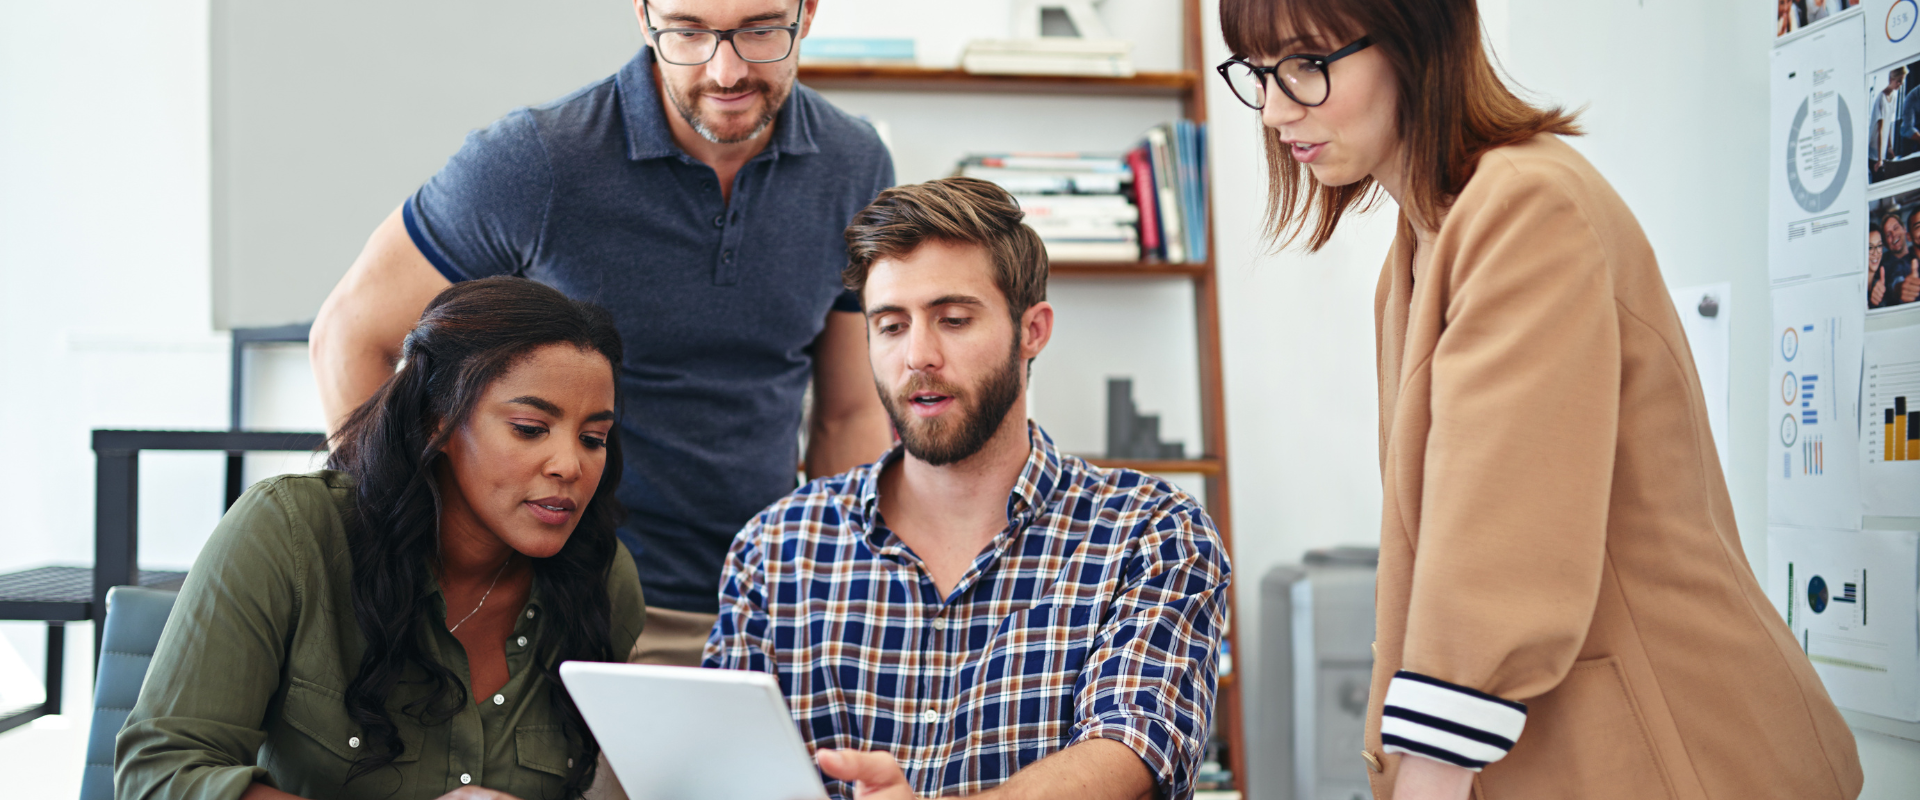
(681, 733)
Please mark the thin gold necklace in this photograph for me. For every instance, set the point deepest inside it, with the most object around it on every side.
(483, 595)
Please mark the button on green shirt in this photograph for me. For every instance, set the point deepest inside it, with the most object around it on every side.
(249, 679)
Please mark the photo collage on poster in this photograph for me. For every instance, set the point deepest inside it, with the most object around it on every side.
(1843, 450)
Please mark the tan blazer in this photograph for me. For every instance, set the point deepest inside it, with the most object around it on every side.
(1557, 531)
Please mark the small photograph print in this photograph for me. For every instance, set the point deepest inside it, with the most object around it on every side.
(1893, 122)
(1792, 15)
(1893, 251)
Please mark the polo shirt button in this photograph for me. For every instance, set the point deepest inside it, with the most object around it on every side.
(939, 623)
(720, 221)
(929, 716)
(522, 640)
(499, 699)
(727, 256)
(529, 613)
(569, 763)
(353, 741)
(465, 778)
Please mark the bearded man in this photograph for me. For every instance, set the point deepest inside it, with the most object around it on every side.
(699, 194)
(976, 603)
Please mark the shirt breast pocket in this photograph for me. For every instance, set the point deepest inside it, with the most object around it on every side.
(544, 759)
(326, 744)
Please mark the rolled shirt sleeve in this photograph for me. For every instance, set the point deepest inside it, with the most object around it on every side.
(485, 213)
(1150, 680)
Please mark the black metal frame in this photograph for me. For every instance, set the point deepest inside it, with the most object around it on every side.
(1262, 74)
(116, 543)
(242, 337)
(56, 666)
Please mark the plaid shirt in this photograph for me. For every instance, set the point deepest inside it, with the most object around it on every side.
(1096, 613)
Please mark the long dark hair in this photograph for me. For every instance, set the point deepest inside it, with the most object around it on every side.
(1453, 106)
(470, 335)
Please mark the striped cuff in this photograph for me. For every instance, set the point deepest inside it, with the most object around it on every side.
(1445, 722)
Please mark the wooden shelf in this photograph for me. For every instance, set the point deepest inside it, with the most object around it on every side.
(1204, 466)
(922, 79)
(1125, 269)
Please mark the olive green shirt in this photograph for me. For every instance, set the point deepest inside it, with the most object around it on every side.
(249, 679)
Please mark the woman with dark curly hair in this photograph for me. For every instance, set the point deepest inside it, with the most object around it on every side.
(391, 627)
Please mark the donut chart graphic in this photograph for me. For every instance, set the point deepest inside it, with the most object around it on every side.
(1789, 344)
(1901, 17)
(1808, 199)
(1817, 594)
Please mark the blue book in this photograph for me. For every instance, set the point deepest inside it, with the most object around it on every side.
(819, 49)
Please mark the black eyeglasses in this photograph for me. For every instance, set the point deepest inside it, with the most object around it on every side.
(1302, 77)
(691, 47)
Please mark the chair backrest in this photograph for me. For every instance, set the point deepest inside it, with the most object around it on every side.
(135, 617)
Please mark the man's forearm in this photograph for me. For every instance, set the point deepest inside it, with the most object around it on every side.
(1096, 769)
(347, 376)
(835, 445)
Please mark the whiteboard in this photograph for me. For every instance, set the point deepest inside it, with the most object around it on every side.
(325, 116)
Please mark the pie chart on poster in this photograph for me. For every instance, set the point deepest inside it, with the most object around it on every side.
(1819, 148)
(1817, 594)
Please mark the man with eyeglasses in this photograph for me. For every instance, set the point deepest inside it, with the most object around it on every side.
(700, 195)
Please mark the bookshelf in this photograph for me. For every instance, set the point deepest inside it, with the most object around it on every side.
(923, 79)
(1188, 86)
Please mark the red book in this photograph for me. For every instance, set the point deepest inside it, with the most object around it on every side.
(1143, 196)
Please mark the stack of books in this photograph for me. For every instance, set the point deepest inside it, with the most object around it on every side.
(1169, 172)
(1050, 55)
(1079, 203)
(1147, 205)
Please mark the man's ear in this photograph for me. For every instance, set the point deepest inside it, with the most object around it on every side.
(812, 7)
(1036, 329)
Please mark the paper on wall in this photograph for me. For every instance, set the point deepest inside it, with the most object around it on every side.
(1890, 411)
(1812, 401)
(1893, 30)
(1817, 168)
(1849, 598)
(1705, 313)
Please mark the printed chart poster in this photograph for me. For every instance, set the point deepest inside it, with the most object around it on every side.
(1817, 179)
(1706, 314)
(1790, 16)
(1813, 393)
(1891, 31)
(1848, 597)
(1893, 252)
(1890, 423)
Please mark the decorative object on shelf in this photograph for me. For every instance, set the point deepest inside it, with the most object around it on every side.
(1131, 434)
(1052, 37)
(858, 52)
(1034, 19)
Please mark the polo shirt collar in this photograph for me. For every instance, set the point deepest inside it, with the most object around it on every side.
(649, 137)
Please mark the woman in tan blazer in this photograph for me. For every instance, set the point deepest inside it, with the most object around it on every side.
(1564, 610)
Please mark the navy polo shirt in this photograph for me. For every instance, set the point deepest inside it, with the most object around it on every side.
(718, 303)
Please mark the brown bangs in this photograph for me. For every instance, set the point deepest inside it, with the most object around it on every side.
(1453, 104)
(1275, 28)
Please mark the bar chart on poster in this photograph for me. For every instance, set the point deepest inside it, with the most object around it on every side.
(1890, 424)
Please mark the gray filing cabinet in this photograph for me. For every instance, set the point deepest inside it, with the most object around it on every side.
(1316, 660)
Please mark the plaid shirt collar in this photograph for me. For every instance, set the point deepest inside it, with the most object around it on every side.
(1032, 493)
